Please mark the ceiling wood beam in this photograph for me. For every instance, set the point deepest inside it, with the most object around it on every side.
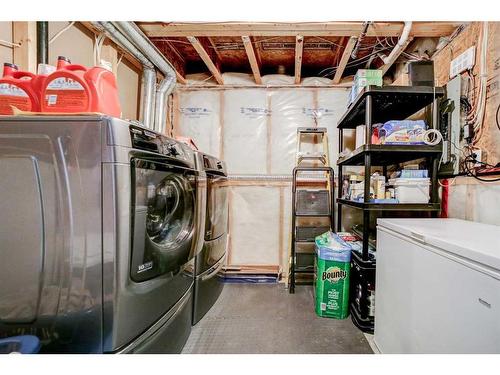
(299, 47)
(344, 59)
(380, 29)
(180, 78)
(176, 52)
(252, 59)
(206, 59)
(214, 48)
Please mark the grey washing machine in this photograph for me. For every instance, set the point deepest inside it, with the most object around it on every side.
(99, 232)
(208, 282)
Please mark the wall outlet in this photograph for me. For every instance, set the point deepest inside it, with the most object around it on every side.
(479, 157)
(463, 62)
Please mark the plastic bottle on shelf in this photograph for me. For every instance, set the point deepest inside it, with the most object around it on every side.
(73, 88)
(19, 89)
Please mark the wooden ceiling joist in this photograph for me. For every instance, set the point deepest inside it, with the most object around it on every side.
(235, 29)
(344, 60)
(252, 59)
(299, 47)
(206, 59)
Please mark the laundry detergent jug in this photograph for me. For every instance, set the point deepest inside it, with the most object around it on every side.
(19, 89)
(74, 88)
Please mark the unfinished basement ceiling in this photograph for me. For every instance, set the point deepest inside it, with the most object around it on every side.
(300, 49)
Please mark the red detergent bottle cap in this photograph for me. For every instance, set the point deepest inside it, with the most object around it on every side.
(62, 61)
(9, 68)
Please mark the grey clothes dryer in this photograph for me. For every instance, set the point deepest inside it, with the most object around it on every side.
(99, 231)
(208, 283)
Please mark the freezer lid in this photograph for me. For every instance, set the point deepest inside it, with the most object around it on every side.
(471, 240)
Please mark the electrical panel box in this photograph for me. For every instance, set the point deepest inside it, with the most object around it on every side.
(450, 127)
(463, 62)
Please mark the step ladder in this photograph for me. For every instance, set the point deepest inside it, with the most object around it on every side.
(312, 203)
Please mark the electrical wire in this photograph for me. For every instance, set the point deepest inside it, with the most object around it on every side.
(496, 117)
(98, 43)
(8, 44)
(471, 174)
(60, 32)
(478, 119)
(331, 70)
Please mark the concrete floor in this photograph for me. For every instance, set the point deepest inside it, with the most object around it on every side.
(264, 318)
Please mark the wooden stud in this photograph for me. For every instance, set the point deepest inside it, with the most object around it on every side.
(221, 125)
(252, 59)
(299, 46)
(380, 29)
(206, 59)
(175, 113)
(24, 33)
(344, 60)
(281, 224)
(230, 227)
(269, 137)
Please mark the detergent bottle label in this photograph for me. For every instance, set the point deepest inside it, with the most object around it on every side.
(66, 94)
(13, 96)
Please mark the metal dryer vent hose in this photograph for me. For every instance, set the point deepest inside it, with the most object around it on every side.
(148, 82)
(167, 85)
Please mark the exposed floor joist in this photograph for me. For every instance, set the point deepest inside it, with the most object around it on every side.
(344, 60)
(206, 59)
(299, 46)
(252, 59)
(379, 29)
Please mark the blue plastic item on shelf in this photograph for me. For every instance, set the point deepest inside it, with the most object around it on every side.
(404, 132)
(26, 344)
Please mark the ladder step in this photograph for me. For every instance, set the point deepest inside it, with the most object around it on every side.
(306, 130)
(312, 202)
(315, 155)
(309, 233)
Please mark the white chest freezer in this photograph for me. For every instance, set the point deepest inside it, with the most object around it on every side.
(437, 286)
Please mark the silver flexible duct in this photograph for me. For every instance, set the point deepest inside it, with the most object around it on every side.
(148, 83)
(166, 86)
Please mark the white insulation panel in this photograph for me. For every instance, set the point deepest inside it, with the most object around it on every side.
(254, 129)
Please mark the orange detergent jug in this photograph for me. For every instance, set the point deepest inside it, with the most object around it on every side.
(19, 89)
(74, 88)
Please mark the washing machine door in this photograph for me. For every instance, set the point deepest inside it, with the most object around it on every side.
(164, 219)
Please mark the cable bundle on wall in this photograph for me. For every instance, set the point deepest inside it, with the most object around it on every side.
(476, 118)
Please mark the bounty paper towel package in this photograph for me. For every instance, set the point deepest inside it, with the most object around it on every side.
(333, 264)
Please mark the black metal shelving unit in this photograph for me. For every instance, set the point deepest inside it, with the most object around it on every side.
(377, 105)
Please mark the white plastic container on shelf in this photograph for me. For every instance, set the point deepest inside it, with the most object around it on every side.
(411, 190)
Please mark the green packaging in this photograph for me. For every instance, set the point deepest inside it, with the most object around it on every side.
(368, 77)
(332, 269)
